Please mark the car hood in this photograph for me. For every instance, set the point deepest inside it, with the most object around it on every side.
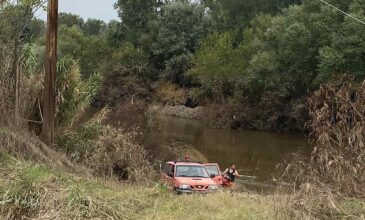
(195, 181)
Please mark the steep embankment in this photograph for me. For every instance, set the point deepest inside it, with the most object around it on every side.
(38, 182)
(34, 191)
(47, 186)
(23, 145)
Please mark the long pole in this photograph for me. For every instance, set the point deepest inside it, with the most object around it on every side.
(49, 101)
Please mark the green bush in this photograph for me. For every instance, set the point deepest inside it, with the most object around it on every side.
(217, 66)
(74, 94)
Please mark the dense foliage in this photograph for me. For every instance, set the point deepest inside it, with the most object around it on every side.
(237, 54)
(252, 63)
(304, 46)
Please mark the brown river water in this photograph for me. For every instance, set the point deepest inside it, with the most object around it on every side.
(255, 153)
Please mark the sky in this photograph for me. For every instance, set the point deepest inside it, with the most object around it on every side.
(100, 9)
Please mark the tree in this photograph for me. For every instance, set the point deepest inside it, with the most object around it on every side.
(14, 19)
(89, 50)
(233, 15)
(71, 41)
(94, 27)
(290, 53)
(182, 27)
(114, 33)
(136, 16)
(70, 20)
(218, 65)
(306, 42)
(346, 52)
(35, 29)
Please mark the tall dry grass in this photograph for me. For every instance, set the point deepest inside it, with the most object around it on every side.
(17, 59)
(107, 151)
(29, 89)
(35, 192)
(330, 183)
(337, 125)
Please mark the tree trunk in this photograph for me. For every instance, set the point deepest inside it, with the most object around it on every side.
(49, 102)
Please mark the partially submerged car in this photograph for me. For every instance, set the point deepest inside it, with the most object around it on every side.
(188, 177)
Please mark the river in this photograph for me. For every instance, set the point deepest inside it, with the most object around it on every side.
(255, 153)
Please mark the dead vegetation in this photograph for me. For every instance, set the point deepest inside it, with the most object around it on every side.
(171, 94)
(116, 155)
(27, 100)
(331, 182)
(337, 128)
(312, 201)
(25, 146)
(36, 192)
(107, 151)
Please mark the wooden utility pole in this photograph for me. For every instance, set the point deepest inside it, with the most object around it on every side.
(49, 100)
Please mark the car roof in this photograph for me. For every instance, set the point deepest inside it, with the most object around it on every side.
(210, 164)
(187, 163)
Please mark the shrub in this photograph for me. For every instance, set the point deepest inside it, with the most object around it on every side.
(74, 94)
(116, 155)
(217, 66)
(106, 150)
(171, 94)
(24, 197)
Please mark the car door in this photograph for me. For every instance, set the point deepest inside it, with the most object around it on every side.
(167, 176)
(213, 169)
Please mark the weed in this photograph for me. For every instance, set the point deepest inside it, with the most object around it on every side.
(33, 191)
(6, 159)
(23, 198)
(334, 172)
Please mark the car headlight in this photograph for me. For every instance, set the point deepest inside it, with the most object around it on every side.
(213, 187)
(184, 186)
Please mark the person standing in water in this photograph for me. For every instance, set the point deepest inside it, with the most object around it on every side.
(232, 173)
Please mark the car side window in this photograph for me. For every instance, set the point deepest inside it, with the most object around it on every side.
(172, 172)
(169, 169)
(166, 169)
(212, 169)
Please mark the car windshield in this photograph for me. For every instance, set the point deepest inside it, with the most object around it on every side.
(212, 169)
(191, 171)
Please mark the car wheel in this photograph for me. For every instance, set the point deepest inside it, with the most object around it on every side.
(177, 192)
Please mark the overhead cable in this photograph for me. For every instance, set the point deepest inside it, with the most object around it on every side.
(351, 16)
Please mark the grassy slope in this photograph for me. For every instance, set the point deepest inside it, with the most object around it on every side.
(37, 192)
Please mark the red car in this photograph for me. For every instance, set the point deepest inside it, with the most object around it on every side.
(188, 177)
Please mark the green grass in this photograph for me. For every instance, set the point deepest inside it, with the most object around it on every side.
(2, 130)
(34, 191)
(356, 207)
(6, 159)
(221, 205)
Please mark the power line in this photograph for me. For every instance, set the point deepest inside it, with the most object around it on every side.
(353, 17)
